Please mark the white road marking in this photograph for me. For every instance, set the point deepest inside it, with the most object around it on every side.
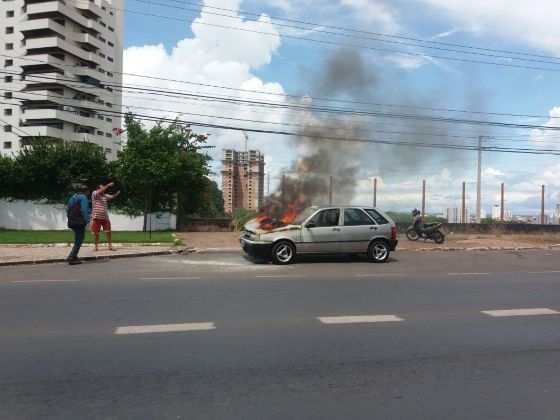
(43, 281)
(468, 274)
(544, 272)
(165, 328)
(521, 312)
(380, 275)
(169, 278)
(358, 319)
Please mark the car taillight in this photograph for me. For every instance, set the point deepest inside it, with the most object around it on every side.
(394, 233)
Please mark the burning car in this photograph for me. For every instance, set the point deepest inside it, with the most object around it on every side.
(321, 230)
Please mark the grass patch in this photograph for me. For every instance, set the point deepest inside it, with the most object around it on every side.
(30, 237)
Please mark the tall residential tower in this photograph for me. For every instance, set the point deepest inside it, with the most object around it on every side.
(242, 180)
(61, 66)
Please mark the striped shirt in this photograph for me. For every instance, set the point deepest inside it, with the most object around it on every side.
(99, 206)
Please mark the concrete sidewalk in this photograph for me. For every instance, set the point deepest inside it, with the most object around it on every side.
(229, 241)
(41, 254)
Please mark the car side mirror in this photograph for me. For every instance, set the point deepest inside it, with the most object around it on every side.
(310, 225)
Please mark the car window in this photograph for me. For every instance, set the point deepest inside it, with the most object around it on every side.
(377, 216)
(326, 218)
(356, 217)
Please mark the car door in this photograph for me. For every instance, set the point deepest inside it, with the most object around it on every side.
(322, 233)
(357, 231)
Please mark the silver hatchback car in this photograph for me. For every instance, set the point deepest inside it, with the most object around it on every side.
(325, 230)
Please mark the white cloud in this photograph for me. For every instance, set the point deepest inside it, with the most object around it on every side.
(408, 62)
(219, 57)
(374, 12)
(547, 138)
(538, 20)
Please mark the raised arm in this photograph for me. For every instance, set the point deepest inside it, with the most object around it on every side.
(112, 196)
(104, 188)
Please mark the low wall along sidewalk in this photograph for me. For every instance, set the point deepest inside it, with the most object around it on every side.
(29, 215)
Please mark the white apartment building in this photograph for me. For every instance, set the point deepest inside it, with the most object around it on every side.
(58, 62)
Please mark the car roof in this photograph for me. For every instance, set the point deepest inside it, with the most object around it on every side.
(334, 206)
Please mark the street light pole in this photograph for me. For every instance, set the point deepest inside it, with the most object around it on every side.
(479, 182)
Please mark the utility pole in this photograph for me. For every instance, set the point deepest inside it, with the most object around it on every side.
(330, 190)
(502, 210)
(542, 205)
(283, 191)
(479, 182)
(374, 192)
(464, 204)
(268, 184)
(423, 198)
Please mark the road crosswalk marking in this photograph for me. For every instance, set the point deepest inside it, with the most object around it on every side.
(165, 328)
(358, 319)
(521, 312)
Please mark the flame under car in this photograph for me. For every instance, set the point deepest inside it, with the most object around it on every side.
(322, 230)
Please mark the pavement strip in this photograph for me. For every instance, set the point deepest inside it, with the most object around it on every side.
(359, 319)
(165, 328)
(521, 312)
(43, 281)
(468, 274)
(169, 278)
(281, 276)
(379, 275)
(544, 272)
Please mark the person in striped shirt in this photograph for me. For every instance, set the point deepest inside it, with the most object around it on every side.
(100, 213)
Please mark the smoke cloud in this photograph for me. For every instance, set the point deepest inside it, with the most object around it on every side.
(347, 75)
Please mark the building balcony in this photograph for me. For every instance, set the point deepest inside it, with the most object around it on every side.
(89, 41)
(33, 115)
(42, 63)
(90, 9)
(52, 8)
(54, 43)
(41, 26)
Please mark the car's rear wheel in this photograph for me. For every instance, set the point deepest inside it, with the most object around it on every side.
(283, 253)
(379, 251)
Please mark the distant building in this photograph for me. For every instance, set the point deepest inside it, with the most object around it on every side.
(557, 214)
(242, 180)
(497, 213)
(453, 215)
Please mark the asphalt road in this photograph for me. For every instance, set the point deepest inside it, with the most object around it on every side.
(456, 335)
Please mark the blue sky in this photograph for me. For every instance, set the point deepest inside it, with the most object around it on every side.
(286, 65)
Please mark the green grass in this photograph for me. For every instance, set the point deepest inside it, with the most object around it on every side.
(28, 237)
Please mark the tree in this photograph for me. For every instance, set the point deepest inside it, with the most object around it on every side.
(6, 177)
(47, 170)
(160, 167)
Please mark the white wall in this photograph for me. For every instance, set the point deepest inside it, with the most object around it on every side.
(36, 216)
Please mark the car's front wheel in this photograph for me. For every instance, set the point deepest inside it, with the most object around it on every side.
(283, 253)
(379, 251)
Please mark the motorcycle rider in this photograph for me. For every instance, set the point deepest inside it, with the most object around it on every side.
(417, 221)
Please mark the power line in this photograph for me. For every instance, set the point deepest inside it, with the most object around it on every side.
(364, 47)
(299, 97)
(362, 37)
(144, 117)
(347, 29)
(340, 111)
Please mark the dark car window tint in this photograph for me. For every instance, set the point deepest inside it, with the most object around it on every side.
(326, 218)
(356, 217)
(377, 217)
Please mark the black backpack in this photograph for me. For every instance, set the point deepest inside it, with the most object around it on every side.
(75, 217)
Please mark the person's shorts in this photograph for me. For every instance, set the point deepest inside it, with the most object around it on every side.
(98, 224)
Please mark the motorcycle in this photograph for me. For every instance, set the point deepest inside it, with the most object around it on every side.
(430, 231)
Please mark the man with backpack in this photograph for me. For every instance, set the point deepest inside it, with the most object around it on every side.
(78, 218)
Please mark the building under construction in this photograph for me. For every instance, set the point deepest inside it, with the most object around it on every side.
(242, 180)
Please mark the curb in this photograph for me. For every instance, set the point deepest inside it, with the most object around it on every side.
(69, 245)
(99, 257)
(441, 249)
